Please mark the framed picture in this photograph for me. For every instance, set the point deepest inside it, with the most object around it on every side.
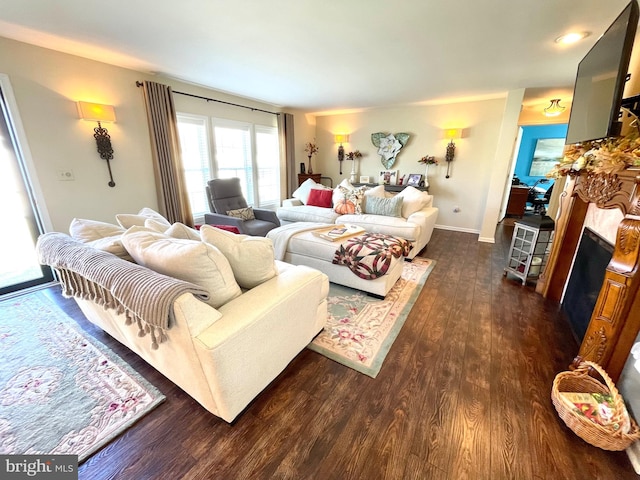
(364, 179)
(547, 153)
(388, 177)
(414, 179)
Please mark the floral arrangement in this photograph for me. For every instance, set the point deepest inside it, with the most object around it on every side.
(354, 155)
(428, 160)
(609, 155)
(311, 148)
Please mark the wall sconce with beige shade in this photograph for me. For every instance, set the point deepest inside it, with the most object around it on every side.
(451, 134)
(341, 138)
(96, 112)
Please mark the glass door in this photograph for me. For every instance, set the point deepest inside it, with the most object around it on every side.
(19, 266)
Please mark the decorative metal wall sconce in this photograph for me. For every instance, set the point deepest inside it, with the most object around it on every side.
(450, 134)
(554, 109)
(100, 113)
(341, 138)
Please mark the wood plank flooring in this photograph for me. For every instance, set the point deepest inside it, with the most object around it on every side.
(463, 394)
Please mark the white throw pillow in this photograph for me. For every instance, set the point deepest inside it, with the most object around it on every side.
(180, 230)
(127, 220)
(89, 230)
(413, 200)
(112, 245)
(339, 194)
(189, 260)
(302, 192)
(155, 225)
(99, 235)
(252, 259)
(378, 191)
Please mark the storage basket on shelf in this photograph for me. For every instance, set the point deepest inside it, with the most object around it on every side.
(618, 433)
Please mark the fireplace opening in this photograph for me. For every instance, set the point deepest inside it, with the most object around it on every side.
(587, 275)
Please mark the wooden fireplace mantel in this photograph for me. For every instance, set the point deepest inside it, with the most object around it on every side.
(615, 321)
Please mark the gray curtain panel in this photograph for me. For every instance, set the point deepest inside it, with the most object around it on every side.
(287, 150)
(173, 198)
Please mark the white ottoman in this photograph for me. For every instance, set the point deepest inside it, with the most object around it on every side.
(307, 249)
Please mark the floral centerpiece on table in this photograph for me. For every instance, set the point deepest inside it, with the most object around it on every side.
(610, 155)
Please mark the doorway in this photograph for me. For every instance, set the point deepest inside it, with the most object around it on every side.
(22, 224)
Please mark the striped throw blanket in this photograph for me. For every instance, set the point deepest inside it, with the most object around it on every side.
(144, 296)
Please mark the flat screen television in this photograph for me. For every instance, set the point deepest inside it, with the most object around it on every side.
(600, 80)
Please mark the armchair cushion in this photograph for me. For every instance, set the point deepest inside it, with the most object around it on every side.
(252, 259)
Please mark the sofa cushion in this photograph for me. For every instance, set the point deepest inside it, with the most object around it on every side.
(245, 213)
(252, 259)
(414, 200)
(127, 220)
(396, 226)
(189, 260)
(391, 207)
(320, 198)
(307, 213)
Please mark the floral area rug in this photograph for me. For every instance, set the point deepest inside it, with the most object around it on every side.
(361, 329)
(62, 392)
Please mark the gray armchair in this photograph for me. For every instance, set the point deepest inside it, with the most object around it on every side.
(225, 194)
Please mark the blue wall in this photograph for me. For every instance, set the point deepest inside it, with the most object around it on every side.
(530, 134)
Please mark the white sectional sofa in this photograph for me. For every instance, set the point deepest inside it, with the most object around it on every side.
(414, 219)
(213, 311)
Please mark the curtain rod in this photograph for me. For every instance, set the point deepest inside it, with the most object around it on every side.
(139, 84)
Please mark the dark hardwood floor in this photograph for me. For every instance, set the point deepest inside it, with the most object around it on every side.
(463, 393)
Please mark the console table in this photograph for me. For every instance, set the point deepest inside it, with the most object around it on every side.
(391, 188)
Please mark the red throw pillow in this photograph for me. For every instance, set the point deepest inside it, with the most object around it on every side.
(320, 198)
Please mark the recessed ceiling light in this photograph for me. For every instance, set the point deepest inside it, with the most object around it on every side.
(572, 37)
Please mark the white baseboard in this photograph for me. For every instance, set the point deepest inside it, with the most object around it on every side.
(458, 229)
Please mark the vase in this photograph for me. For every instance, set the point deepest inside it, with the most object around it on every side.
(426, 176)
(310, 169)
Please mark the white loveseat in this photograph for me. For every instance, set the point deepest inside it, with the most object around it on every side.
(222, 343)
(414, 220)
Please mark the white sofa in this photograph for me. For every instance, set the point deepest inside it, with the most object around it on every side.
(416, 222)
(222, 356)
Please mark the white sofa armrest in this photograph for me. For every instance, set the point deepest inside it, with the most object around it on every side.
(291, 202)
(426, 218)
(259, 333)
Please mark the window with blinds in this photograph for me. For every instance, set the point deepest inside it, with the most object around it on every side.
(220, 148)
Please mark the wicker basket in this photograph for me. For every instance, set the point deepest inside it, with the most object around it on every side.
(607, 437)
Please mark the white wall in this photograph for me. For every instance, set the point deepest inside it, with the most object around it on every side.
(468, 185)
(47, 84)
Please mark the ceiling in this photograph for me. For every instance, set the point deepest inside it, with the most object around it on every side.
(328, 55)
